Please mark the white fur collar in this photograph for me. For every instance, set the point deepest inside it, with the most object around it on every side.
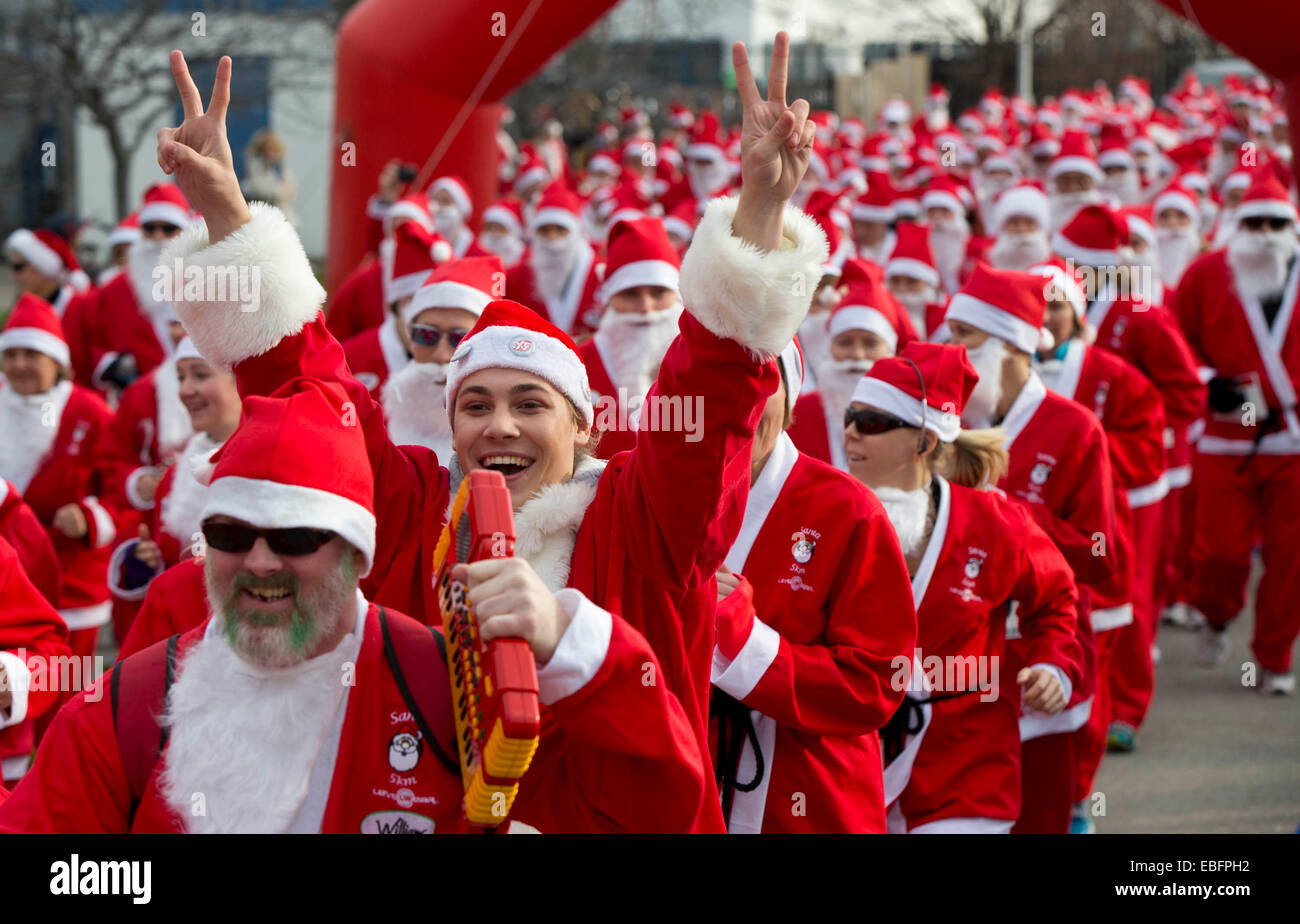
(182, 508)
(174, 427)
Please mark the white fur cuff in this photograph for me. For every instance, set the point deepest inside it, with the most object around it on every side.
(261, 269)
(741, 293)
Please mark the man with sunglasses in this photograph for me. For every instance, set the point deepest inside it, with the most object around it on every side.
(130, 331)
(44, 265)
(1237, 306)
(436, 318)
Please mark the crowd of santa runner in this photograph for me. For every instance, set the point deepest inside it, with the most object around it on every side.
(853, 468)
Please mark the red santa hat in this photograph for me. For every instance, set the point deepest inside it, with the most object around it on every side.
(906, 205)
(680, 115)
(455, 187)
(508, 212)
(1141, 222)
(414, 256)
(603, 162)
(1178, 197)
(1025, 199)
(912, 256)
(531, 172)
(866, 305)
(934, 398)
(1266, 197)
(638, 253)
(558, 205)
(706, 139)
(791, 361)
(468, 283)
(1043, 141)
(1065, 286)
(33, 325)
(1007, 304)
(681, 220)
(164, 202)
(876, 204)
(1114, 148)
(413, 206)
(47, 253)
(1077, 155)
(293, 462)
(127, 230)
(1238, 179)
(1097, 235)
(937, 96)
(944, 193)
(510, 336)
(823, 207)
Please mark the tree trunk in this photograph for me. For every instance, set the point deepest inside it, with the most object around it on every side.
(121, 173)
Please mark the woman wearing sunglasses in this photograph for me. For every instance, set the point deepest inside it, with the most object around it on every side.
(979, 565)
(641, 538)
(436, 318)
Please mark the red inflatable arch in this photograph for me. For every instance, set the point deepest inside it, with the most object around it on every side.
(415, 77)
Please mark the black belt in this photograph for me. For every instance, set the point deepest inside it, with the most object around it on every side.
(909, 719)
(735, 726)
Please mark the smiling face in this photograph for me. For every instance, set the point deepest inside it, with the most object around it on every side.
(883, 460)
(859, 344)
(211, 397)
(446, 320)
(28, 372)
(518, 424)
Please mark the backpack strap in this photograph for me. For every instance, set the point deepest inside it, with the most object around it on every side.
(139, 695)
(423, 682)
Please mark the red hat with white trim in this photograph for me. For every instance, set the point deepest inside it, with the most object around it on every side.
(823, 207)
(47, 253)
(876, 204)
(1066, 286)
(866, 305)
(510, 336)
(893, 386)
(468, 284)
(127, 230)
(680, 115)
(414, 257)
(1141, 222)
(508, 212)
(706, 138)
(1114, 148)
(912, 256)
(531, 172)
(638, 253)
(1266, 197)
(681, 220)
(293, 462)
(1097, 235)
(1077, 155)
(1005, 303)
(1026, 199)
(1178, 197)
(1043, 141)
(791, 361)
(33, 325)
(558, 205)
(604, 162)
(413, 206)
(944, 193)
(455, 187)
(164, 202)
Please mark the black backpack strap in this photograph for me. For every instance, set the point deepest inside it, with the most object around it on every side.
(394, 665)
(147, 678)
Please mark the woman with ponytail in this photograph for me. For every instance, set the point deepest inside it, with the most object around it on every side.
(982, 571)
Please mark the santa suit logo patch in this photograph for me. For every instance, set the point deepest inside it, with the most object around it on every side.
(521, 346)
(973, 566)
(803, 548)
(1040, 472)
(404, 749)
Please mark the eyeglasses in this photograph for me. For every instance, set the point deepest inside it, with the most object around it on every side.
(235, 537)
(426, 335)
(1257, 223)
(158, 227)
(869, 423)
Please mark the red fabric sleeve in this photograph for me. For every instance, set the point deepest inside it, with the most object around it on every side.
(1089, 510)
(1135, 430)
(1162, 353)
(1047, 600)
(21, 528)
(29, 623)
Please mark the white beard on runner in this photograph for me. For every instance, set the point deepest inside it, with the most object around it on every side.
(552, 262)
(414, 406)
(1020, 251)
(948, 243)
(1063, 206)
(506, 246)
(1175, 249)
(836, 380)
(174, 427)
(987, 359)
(633, 345)
(914, 304)
(909, 511)
(29, 424)
(1259, 261)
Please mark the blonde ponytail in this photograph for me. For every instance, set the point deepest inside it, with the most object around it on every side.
(977, 459)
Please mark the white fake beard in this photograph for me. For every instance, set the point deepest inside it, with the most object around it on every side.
(909, 511)
(1175, 249)
(948, 242)
(506, 246)
(836, 380)
(1124, 187)
(815, 340)
(552, 265)
(1220, 166)
(174, 427)
(705, 181)
(29, 423)
(879, 252)
(1226, 228)
(1061, 207)
(1020, 251)
(987, 359)
(914, 303)
(414, 406)
(1259, 261)
(448, 221)
(246, 738)
(141, 260)
(182, 509)
(633, 345)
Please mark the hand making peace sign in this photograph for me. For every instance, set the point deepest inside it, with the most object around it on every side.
(197, 153)
(775, 146)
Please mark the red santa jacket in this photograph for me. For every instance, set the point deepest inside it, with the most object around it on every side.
(605, 779)
(659, 520)
(150, 426)
(808, 649)
(373, 355)
(617, 429)
(580, 305)
(119, 325)
(76, 310)
(1060, 470)
(358, 305)
(32, 637)
(22, 529)
(986, 557)
(1231, 336)
(76, 470)
(811, 432)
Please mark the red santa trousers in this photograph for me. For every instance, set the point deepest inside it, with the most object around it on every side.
(1132, 673)
(83, 643)
(1047, 769)
(1241, 499)
(1173, 572)
(1090, 739)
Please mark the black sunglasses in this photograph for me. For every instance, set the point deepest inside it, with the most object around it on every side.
(426, 335)
(1257, 223)
(236, 537)
(158, 227)
(869, 423)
